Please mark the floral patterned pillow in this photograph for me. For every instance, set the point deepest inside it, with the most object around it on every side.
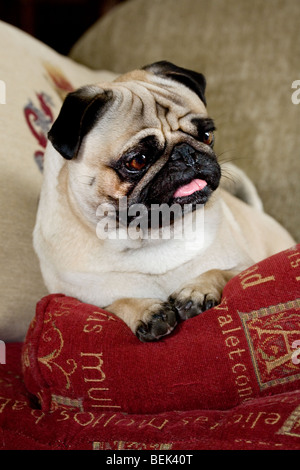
(33, 82)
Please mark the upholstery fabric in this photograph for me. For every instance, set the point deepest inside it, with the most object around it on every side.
(268, 423)
(227, 379)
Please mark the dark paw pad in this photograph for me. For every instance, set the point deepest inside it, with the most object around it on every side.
(160, 323)
(191, 308)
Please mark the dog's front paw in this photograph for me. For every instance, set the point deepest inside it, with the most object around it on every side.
(158, 320)
(191, 300)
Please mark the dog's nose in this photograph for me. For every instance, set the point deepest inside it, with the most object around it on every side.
(184, 152)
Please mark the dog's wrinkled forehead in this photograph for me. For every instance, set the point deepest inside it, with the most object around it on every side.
(161, 97)
(156, 100)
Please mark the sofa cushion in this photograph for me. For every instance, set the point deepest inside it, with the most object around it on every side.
(79, 356)
(33, 81)
(270, 422)
(249, 53)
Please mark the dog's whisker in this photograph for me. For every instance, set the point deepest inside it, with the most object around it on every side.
(230, 159)
(229, 176)
(86, 179)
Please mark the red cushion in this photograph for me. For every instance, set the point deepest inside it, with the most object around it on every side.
(79, 355)
(263, 423)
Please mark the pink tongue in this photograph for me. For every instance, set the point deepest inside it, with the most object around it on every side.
(190, 188)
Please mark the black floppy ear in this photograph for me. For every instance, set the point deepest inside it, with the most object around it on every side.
(79, 113)
(193, 80)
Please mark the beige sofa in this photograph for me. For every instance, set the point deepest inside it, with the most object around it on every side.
(249, 53)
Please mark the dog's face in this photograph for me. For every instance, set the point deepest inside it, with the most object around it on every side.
(145, 136)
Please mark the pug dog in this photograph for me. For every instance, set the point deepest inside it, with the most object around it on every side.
(145, 141)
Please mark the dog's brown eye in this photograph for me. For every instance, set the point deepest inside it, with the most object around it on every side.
(208, 138)
(137, 163)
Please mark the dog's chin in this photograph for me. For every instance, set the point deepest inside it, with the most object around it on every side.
(166, 211)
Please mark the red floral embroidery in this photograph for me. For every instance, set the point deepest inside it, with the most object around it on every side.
(40, 117)
(39, 120)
